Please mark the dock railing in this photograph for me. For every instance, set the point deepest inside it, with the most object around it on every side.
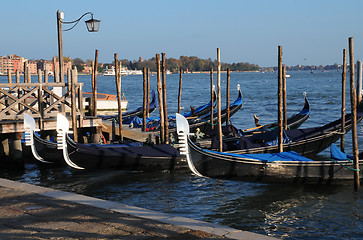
(40, 100)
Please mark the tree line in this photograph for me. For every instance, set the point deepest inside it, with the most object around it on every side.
(191, 64)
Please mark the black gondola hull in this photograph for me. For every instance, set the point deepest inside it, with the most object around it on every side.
(216, 165)
(143, 158)
(309, 143)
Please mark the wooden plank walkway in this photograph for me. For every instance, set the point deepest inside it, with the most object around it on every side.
(13, 126)
(131, 133)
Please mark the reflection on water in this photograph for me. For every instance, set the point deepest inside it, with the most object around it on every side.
(284, 211)
(280, 210)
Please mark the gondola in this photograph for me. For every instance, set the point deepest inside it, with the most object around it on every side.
(203, 109)
(203, 122)
(285, 167)
(307, 142)
(293, 122)
(127, 116)
(115, 156)
(153, 124)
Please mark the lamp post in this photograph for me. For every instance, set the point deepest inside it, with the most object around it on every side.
(92, 24)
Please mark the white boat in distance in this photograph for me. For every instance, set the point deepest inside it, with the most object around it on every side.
(124, 72)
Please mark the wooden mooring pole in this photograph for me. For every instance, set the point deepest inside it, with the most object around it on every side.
(284, 103)
(166, 127)
(9, 76)
(40, 101)
(17, 76)
(280, 115)
(211, 98)
(359, 81)
(16, 150)
(118, 89)
(180, 89)
(91, 101)
(55, 70)
(144, 99)
(219, 103)
(227, 95)
(148, 92)
(344, 79)
(29, 75)
(160, 98)
(94, 85)
(353, 102)
(73, 103)
(25, 72)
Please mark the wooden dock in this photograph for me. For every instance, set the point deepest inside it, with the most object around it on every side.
(43, 101)
(135, 134)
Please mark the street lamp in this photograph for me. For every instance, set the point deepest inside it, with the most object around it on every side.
(92, 24)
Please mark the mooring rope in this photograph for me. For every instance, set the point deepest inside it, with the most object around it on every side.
(350, 168)
(213, 124)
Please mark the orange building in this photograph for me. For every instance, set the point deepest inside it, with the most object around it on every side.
(18, 64)
(12, 63)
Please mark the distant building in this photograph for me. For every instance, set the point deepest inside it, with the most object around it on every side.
(45, 65)
(33, 69)
(66, 66)
(18, 64)
(12, 63)
(87, 69)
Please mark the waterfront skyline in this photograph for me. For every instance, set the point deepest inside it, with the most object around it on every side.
(310, 32)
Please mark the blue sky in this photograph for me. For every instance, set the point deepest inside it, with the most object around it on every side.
(311, 32)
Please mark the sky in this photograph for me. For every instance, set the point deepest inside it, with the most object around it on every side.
(311, 32)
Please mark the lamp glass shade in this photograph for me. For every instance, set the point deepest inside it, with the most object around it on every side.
(93, 25)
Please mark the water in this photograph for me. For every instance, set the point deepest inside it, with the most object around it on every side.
(283, 211)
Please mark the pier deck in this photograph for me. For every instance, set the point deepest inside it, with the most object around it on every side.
(13, 126)
(131, 133)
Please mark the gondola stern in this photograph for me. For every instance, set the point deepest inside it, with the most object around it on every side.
(183, 131)
(29, 131)
(307, 104)
(62, 132)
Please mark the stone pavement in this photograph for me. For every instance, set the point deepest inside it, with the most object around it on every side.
(34, 212)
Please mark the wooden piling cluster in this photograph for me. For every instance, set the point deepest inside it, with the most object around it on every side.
(162, 97)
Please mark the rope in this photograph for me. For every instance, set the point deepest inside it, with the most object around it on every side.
(213, 124)
(353, 169)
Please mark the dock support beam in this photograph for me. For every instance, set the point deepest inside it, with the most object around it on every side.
(16, 150)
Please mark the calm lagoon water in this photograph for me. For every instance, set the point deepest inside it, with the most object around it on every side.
(283, 211)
